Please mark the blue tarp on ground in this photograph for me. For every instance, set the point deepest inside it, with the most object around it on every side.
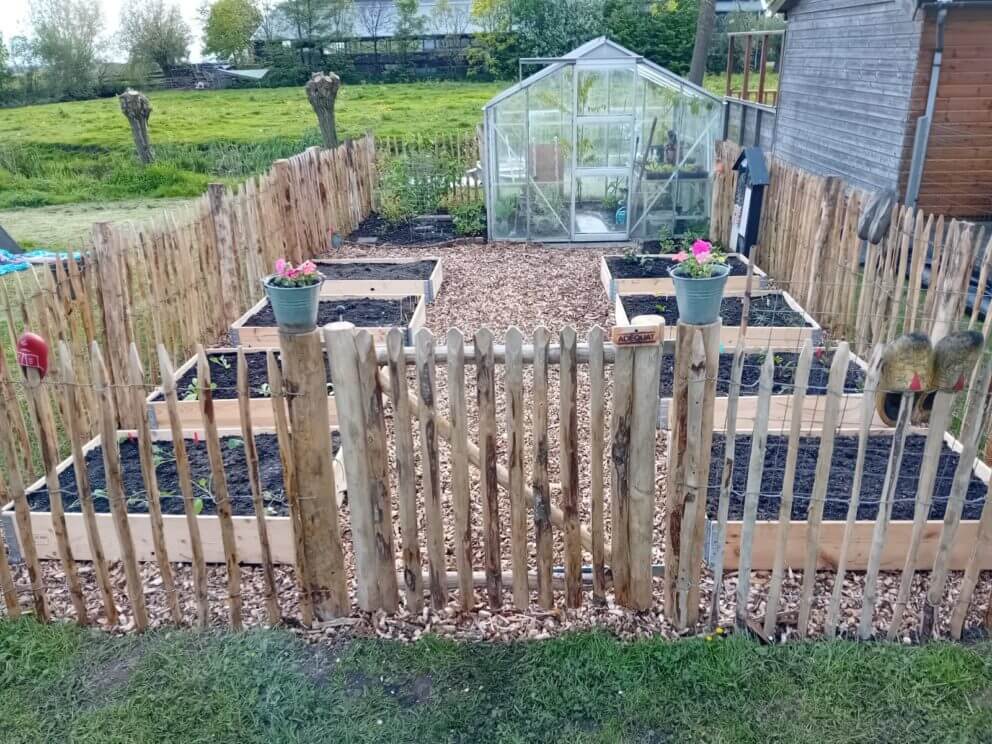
(11, 262)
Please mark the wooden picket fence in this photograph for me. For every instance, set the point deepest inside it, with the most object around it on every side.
(183, 276)
(390, 418)
(866, 291)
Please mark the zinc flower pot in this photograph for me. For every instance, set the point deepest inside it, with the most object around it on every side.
(699, 298)
(295, 308)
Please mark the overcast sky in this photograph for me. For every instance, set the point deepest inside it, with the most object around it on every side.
(14, 21)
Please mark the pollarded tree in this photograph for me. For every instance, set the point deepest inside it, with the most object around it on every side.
(229, 27)
(152, 31)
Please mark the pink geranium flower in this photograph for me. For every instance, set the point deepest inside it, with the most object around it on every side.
(701, 246)
(281, 266)
(287, 275)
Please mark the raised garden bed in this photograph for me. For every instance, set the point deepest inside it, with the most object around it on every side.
(780, 409)
(837, 499)
(431, 229)
(378, 315)
(176, 531)
(647, 274)
(776, 320)
(382, 276)
(224, 377)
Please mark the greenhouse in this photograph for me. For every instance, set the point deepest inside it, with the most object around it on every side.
(642, 165)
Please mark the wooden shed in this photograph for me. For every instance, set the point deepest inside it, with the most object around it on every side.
(854, 90)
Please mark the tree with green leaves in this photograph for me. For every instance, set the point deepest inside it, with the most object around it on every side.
(5, 75)
(662, 32)
(67, 38)
(229, 27)
(152, 31)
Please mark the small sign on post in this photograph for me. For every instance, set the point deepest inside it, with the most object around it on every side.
(636, 335)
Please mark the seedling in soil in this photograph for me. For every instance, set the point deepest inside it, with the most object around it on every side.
(220, 361)
(234, 443)
(660, 307)
(264, 390)
(193, 389)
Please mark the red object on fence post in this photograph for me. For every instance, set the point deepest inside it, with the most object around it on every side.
(32, 353)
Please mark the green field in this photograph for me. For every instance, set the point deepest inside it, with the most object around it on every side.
(72, 152)
(67, 153)
(63, 684)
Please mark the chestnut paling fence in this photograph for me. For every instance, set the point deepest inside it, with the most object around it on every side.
(412, 436)
(182, 277)
(866, 267)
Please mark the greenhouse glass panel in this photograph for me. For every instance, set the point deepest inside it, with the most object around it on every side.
(600, 144)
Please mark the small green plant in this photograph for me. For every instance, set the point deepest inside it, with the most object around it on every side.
(221, 361)
(193, 390)
(666, 241)
(264, 390)
(469, 218)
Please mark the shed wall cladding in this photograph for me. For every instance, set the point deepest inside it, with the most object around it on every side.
(845, 89)
(957, 175)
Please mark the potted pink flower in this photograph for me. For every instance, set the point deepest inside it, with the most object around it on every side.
(699, 277)
(294, 293)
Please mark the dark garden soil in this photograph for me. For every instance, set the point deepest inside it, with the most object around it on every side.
(841, 477)
(224, 377)
(673, 245)
(406, 233)
(650, 267)
(235, 469)
(785, 372)
(364, 312)
(769, 310)
(362, 270)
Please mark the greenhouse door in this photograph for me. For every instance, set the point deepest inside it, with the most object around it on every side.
(603, 158)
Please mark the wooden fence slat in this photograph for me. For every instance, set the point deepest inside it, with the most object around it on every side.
(755, 470)
(975, 412)
(940, 416)
(643, 464)
(486, 399)
(597, 403)
(982, 283)
(281, 418)
(921, 247)
(514, 382)
(982, 547)
(199, 566)
(220, 494)
(726, 480)
(623, 390)
(539, 474)
(814, 517)
(568, 438)
(115, 487)
(251, 462)
(7, 587)
(377, 451)
(84, 491)
(429, 458)
(136, 377)
(800, 382)
(864, 431)
(406, 476)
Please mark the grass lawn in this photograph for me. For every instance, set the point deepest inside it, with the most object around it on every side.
(81, 151)
(66, 153)
(59, 683)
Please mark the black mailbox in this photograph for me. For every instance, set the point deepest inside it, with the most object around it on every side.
(748, 198)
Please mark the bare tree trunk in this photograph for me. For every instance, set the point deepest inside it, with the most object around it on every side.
(322, 90)
(137, 108)
(704, 33)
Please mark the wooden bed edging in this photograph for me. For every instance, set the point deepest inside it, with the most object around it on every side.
(267, 337)
(429, 287)
(897, 538)
(280, 529)
(226, 410)
(664, 285)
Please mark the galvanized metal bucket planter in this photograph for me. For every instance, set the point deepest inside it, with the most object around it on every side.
(295, 308)
(699, 298)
